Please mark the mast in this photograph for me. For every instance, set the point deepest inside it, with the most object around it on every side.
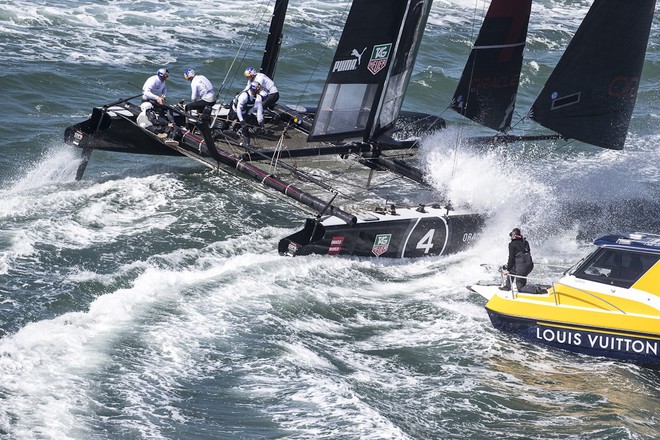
(591, 94)
(486, 92)
(371, 69)
(274, 40)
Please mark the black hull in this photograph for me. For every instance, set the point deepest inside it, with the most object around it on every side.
(387, 236)
(637, 348)
(409, 233)
(114, 129)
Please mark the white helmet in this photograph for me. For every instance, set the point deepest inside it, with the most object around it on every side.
(146, 106)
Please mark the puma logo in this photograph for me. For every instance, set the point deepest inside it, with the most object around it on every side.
(358, 55)
(350, 64)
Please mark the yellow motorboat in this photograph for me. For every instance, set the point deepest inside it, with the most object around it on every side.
(608, 304)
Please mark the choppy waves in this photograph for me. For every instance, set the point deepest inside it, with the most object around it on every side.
(148, 300)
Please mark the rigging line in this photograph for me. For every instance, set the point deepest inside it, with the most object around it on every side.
(459, 133)
(474, 59)
(524, 118)
(325, 49)
(467, 100)
(265, 6)
(520, 120)
(445, 110)
(222, 86)
(274, 159)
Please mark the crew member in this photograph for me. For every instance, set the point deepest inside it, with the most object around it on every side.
(202, 91)
(245, 105)
(154, 88)
(269, 92)
(520, 260)
(156, 123)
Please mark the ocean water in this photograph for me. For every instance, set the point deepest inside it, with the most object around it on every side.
(148, 301)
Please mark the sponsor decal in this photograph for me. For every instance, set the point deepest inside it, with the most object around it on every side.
(335, 244)
(381, 244)
(379, 56)
(349, 64)
(494, 82)
(77, 137)
(623, 86)
(597, 341)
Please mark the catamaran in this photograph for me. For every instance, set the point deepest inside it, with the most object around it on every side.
(357, 123)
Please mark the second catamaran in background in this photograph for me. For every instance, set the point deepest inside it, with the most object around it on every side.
(591, 93)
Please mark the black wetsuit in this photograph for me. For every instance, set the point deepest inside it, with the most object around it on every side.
(519, 263)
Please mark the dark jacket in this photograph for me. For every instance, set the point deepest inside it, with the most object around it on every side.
(520, 258)
(160, 122)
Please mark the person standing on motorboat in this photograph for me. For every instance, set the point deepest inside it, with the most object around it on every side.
(202, 92)
(154, 88)
(245, 105)
(269, 92)
(520, 261)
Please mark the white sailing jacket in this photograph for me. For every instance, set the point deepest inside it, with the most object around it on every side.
(201, 89)
(153, 88)
(267, 84)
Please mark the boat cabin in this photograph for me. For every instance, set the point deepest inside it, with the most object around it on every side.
(622, 260)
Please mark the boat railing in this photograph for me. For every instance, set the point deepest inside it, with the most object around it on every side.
(515, 292)
(554, 292)
(512, 282)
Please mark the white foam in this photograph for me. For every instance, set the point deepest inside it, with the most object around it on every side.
(311, 343)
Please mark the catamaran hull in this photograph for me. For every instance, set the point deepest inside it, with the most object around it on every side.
(639, 348)
(114, 129)
(408, 233)
(383, 235)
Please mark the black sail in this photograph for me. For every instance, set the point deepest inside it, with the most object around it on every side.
(405, 55)
(591, 94)
(486, 92)
(380, 39)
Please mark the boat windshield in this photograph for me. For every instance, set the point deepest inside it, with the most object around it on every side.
(616, 267)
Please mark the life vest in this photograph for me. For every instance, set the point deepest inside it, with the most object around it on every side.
(248, 105)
